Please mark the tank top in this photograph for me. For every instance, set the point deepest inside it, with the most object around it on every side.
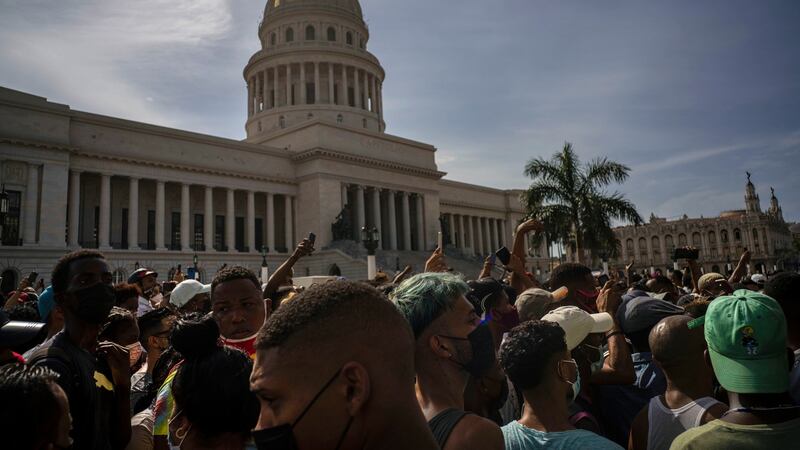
(666, 424)
(443, 423)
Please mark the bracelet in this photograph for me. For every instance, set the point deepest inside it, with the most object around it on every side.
(613, 333)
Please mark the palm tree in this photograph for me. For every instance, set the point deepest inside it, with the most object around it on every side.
(570, 199)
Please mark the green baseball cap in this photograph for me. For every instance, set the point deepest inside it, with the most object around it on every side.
(746, 337)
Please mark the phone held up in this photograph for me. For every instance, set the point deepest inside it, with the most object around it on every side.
(503, 255)
(312, 238)
(685, 253)
(32, 278)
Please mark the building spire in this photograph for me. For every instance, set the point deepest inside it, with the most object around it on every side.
(774, 207)
(751, 200)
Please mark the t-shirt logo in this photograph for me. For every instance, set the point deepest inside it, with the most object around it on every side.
(749, 341)
(102, 382)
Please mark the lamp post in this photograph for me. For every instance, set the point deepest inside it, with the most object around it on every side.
(194, 262)
(370, 238)
(604, 258)
(264, 268)
(136, 265)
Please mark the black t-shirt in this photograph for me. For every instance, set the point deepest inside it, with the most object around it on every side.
(89, 388)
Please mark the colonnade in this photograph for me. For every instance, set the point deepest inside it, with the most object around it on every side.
(476, 234)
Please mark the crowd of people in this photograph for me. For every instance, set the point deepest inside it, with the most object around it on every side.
(431, 360)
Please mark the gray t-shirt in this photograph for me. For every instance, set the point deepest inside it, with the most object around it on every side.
(520, 437)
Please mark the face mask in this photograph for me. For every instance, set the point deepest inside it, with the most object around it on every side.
(134, 352)
(588, 300)
(576, 385)
(94, 303)
(480, 341)
(281, 437)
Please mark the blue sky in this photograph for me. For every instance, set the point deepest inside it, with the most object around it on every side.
(688, 94)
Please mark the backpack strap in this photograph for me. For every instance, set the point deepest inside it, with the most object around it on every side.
(62, 356)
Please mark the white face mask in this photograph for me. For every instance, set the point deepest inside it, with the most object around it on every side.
(134, 352)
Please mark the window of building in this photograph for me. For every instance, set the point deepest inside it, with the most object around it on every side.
(336, 93)
(682, 240)
(198, 233)
(310, 33)
(629, 246)
(151, 229)
(11, 222)
(219, 233)
(349, 38)
(239, 234)
(289, 35)
(331, 34)
(669, 244)
(723, 236)
(175, 232)
(282, 122)
(643, 249)
(310, 94)
(737, 235)
(697, 241)
(351, 97)
(364, 123)
(339, 118)
(124, 229)
(656, 243)
(273, 39)
(361, 43)
(259, 233)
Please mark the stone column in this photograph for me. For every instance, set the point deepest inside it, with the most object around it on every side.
(380, 100)
(133, 214)
(208, 220)
(303, 100)
(471, 240)
(287, 205)
(365, 98)
(479, 236)
(103, 229)
(185, 213)
(31, 205)
(275, 99)
(356, 88)
(270, 222)
(250, 96)
(330, 84)
(420, 223)
(406, 212)
(344, 195)
(462, 243)
(374, 96)
(317, 88)
(288, 85)
(343, 98)
(376, 213)
(74, 208)
(251, 221)
(160, 207)
(230, 221)
(360, 214)
(392, 220)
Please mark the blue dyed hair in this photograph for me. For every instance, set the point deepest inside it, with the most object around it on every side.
(426, 296)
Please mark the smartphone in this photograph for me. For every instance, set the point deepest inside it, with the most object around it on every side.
(32, 278)
(685, 253)
(503, 255)
(439, 239)
(312, 237)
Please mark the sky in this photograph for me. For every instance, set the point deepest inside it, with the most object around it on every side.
(688, 94)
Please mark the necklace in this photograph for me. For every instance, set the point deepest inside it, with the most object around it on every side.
(749, 409)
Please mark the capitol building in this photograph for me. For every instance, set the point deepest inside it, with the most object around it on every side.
(316, 159)
(720, 240)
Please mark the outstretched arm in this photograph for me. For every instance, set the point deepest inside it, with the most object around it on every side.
(14, 299)
(741, 268)
(304, 248)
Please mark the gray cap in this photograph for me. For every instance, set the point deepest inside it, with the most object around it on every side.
(643, 313)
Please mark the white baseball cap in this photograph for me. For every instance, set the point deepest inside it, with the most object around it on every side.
(577, 323)
(759, 279)
(187, 289)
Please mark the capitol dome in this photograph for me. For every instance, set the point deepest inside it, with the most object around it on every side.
(351, 6)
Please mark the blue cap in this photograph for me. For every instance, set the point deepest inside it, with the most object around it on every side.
(46, 302)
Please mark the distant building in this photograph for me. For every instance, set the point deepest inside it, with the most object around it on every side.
(721, 240)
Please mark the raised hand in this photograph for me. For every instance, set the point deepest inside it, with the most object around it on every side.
(530, 225)
(436, 262)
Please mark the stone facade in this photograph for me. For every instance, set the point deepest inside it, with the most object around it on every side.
(721, 240)
(315, 144)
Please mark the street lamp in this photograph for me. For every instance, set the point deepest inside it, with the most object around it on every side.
(136, 266)
(264, 268)
(370, 238)
(3, 209)
(194, 262)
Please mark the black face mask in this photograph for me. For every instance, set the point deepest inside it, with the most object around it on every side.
(480, 340)
(94, 303)
(281, 437)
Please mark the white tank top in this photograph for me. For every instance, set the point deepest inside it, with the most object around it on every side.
(666, 424)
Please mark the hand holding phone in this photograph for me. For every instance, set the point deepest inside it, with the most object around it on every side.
(32, 278)
(312, 237)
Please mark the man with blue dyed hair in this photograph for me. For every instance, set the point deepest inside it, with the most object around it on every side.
(451, 345)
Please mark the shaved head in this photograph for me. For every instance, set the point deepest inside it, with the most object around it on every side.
(674, 345)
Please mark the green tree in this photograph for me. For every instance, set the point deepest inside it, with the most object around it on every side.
(571, 201)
